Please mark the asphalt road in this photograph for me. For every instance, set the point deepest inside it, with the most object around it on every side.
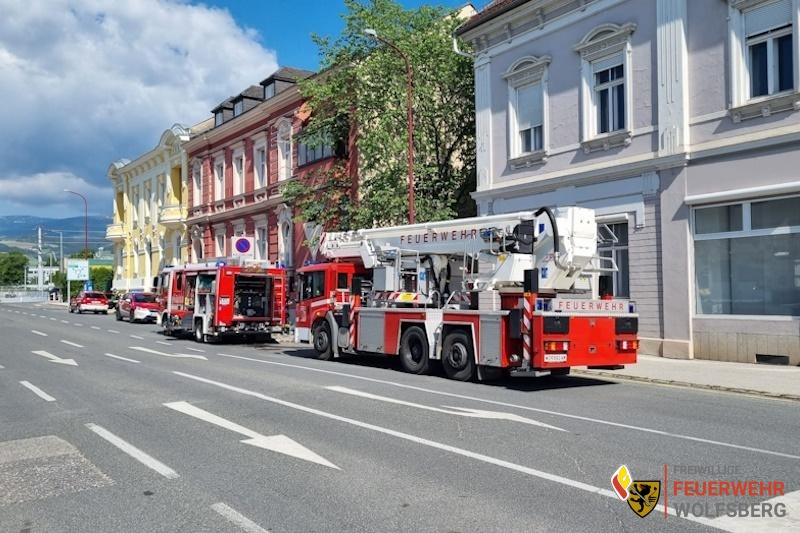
(110, 426)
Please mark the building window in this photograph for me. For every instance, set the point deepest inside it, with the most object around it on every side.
(219, 179)
(261, 243)
(606, 94)
(238, 108)
(197, 186)
(763, 58)
(261, 167)
(613, 246)
(219, 243)
(747, 257)
(238, 173)
(284, 150)
(309, 152)
(609, 96)
(269, 90)
(218, 118)
(527, 97)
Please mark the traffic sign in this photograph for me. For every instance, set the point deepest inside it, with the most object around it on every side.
(243, 247)
(77, 269)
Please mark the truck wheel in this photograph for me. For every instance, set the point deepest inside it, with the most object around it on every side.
(458, 357)
(414, 350)
(322, 341)
(198, 331)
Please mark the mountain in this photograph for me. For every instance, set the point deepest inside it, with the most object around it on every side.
(19, 232)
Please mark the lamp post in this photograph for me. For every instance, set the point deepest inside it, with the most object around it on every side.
(85, 221)
(372, 33)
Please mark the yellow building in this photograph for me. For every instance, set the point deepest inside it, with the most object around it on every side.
(149, 226)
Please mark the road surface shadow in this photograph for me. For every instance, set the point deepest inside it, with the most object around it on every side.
(518, 383)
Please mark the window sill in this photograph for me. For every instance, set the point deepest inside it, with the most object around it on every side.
(607, 141)
(766, 106)
(528, 160)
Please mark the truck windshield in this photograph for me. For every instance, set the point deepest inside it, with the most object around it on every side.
(312, 285)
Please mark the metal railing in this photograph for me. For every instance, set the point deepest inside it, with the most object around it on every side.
(19, 293)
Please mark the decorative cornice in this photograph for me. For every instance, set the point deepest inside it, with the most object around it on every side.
(604, 40)
(766, 107)
(529, 69)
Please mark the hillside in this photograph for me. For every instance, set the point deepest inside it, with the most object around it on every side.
(19, 233)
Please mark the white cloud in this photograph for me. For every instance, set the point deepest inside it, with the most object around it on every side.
(87, 82)
(44, 195)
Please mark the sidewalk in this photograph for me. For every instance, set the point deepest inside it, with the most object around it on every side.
(763, 380)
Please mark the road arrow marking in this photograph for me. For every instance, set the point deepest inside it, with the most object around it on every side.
(38, 333)
(459, 411)
(72, 344)
(276, 443)
(55, 358)
(175, 355)
(121, 358)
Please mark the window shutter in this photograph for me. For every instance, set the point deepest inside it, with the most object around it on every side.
(767, 17)
(606, 63)
(529, 106)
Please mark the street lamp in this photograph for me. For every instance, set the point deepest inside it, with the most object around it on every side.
(85, 222)
(372, 33)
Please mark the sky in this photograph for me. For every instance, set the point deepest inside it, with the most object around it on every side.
(85, 83)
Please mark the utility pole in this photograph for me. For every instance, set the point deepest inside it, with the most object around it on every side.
(39, 260)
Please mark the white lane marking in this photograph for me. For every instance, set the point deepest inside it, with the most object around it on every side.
(195, 349)
(432, 444)
(53, 318)
(55, 358)
(1, 367)
(38, 333)
(112, 331)
(73, 344)
(458, 411)
(65, 321)
(78, 324)
(144, 458)
(176, 355)
(164, 343)
(37, 391)
(136, 337)
(526, 408)
(276, 443)
(789, 522)
(121, 358)
(95, 327)
(235, 517)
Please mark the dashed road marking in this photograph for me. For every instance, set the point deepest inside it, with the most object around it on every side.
(141, 456)
(37, 391)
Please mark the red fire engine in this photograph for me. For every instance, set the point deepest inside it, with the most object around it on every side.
(222, 298)
(485, 296)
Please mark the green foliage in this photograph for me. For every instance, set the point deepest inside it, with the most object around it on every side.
(323, 197)
(59, 280)
(12, 268)
(102, 277)
(83, 254)
(365, 84)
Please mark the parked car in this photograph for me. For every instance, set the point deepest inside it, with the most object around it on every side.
(138, 307)
(89, 301)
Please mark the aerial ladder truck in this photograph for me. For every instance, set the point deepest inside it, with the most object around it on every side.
(486, 296)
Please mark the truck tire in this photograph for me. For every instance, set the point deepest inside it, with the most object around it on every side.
(323, 341)
(458, 357)
(414, 350)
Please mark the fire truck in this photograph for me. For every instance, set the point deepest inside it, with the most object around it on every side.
(486, 296)
(222, 298)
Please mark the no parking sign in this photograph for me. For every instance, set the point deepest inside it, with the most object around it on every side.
(243, 247)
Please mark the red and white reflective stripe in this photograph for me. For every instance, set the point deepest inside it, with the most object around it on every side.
(527, 319)
(355, 301)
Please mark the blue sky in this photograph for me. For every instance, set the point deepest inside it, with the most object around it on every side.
(292, 41)
(89, 82)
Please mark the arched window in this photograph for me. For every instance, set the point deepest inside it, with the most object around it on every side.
(284, 150)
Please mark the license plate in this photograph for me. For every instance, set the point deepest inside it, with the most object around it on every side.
(555, 358)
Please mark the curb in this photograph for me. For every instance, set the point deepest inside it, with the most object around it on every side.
(686, 384)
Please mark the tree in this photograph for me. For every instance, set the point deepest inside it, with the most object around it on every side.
(12, 268)
(363, 88)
